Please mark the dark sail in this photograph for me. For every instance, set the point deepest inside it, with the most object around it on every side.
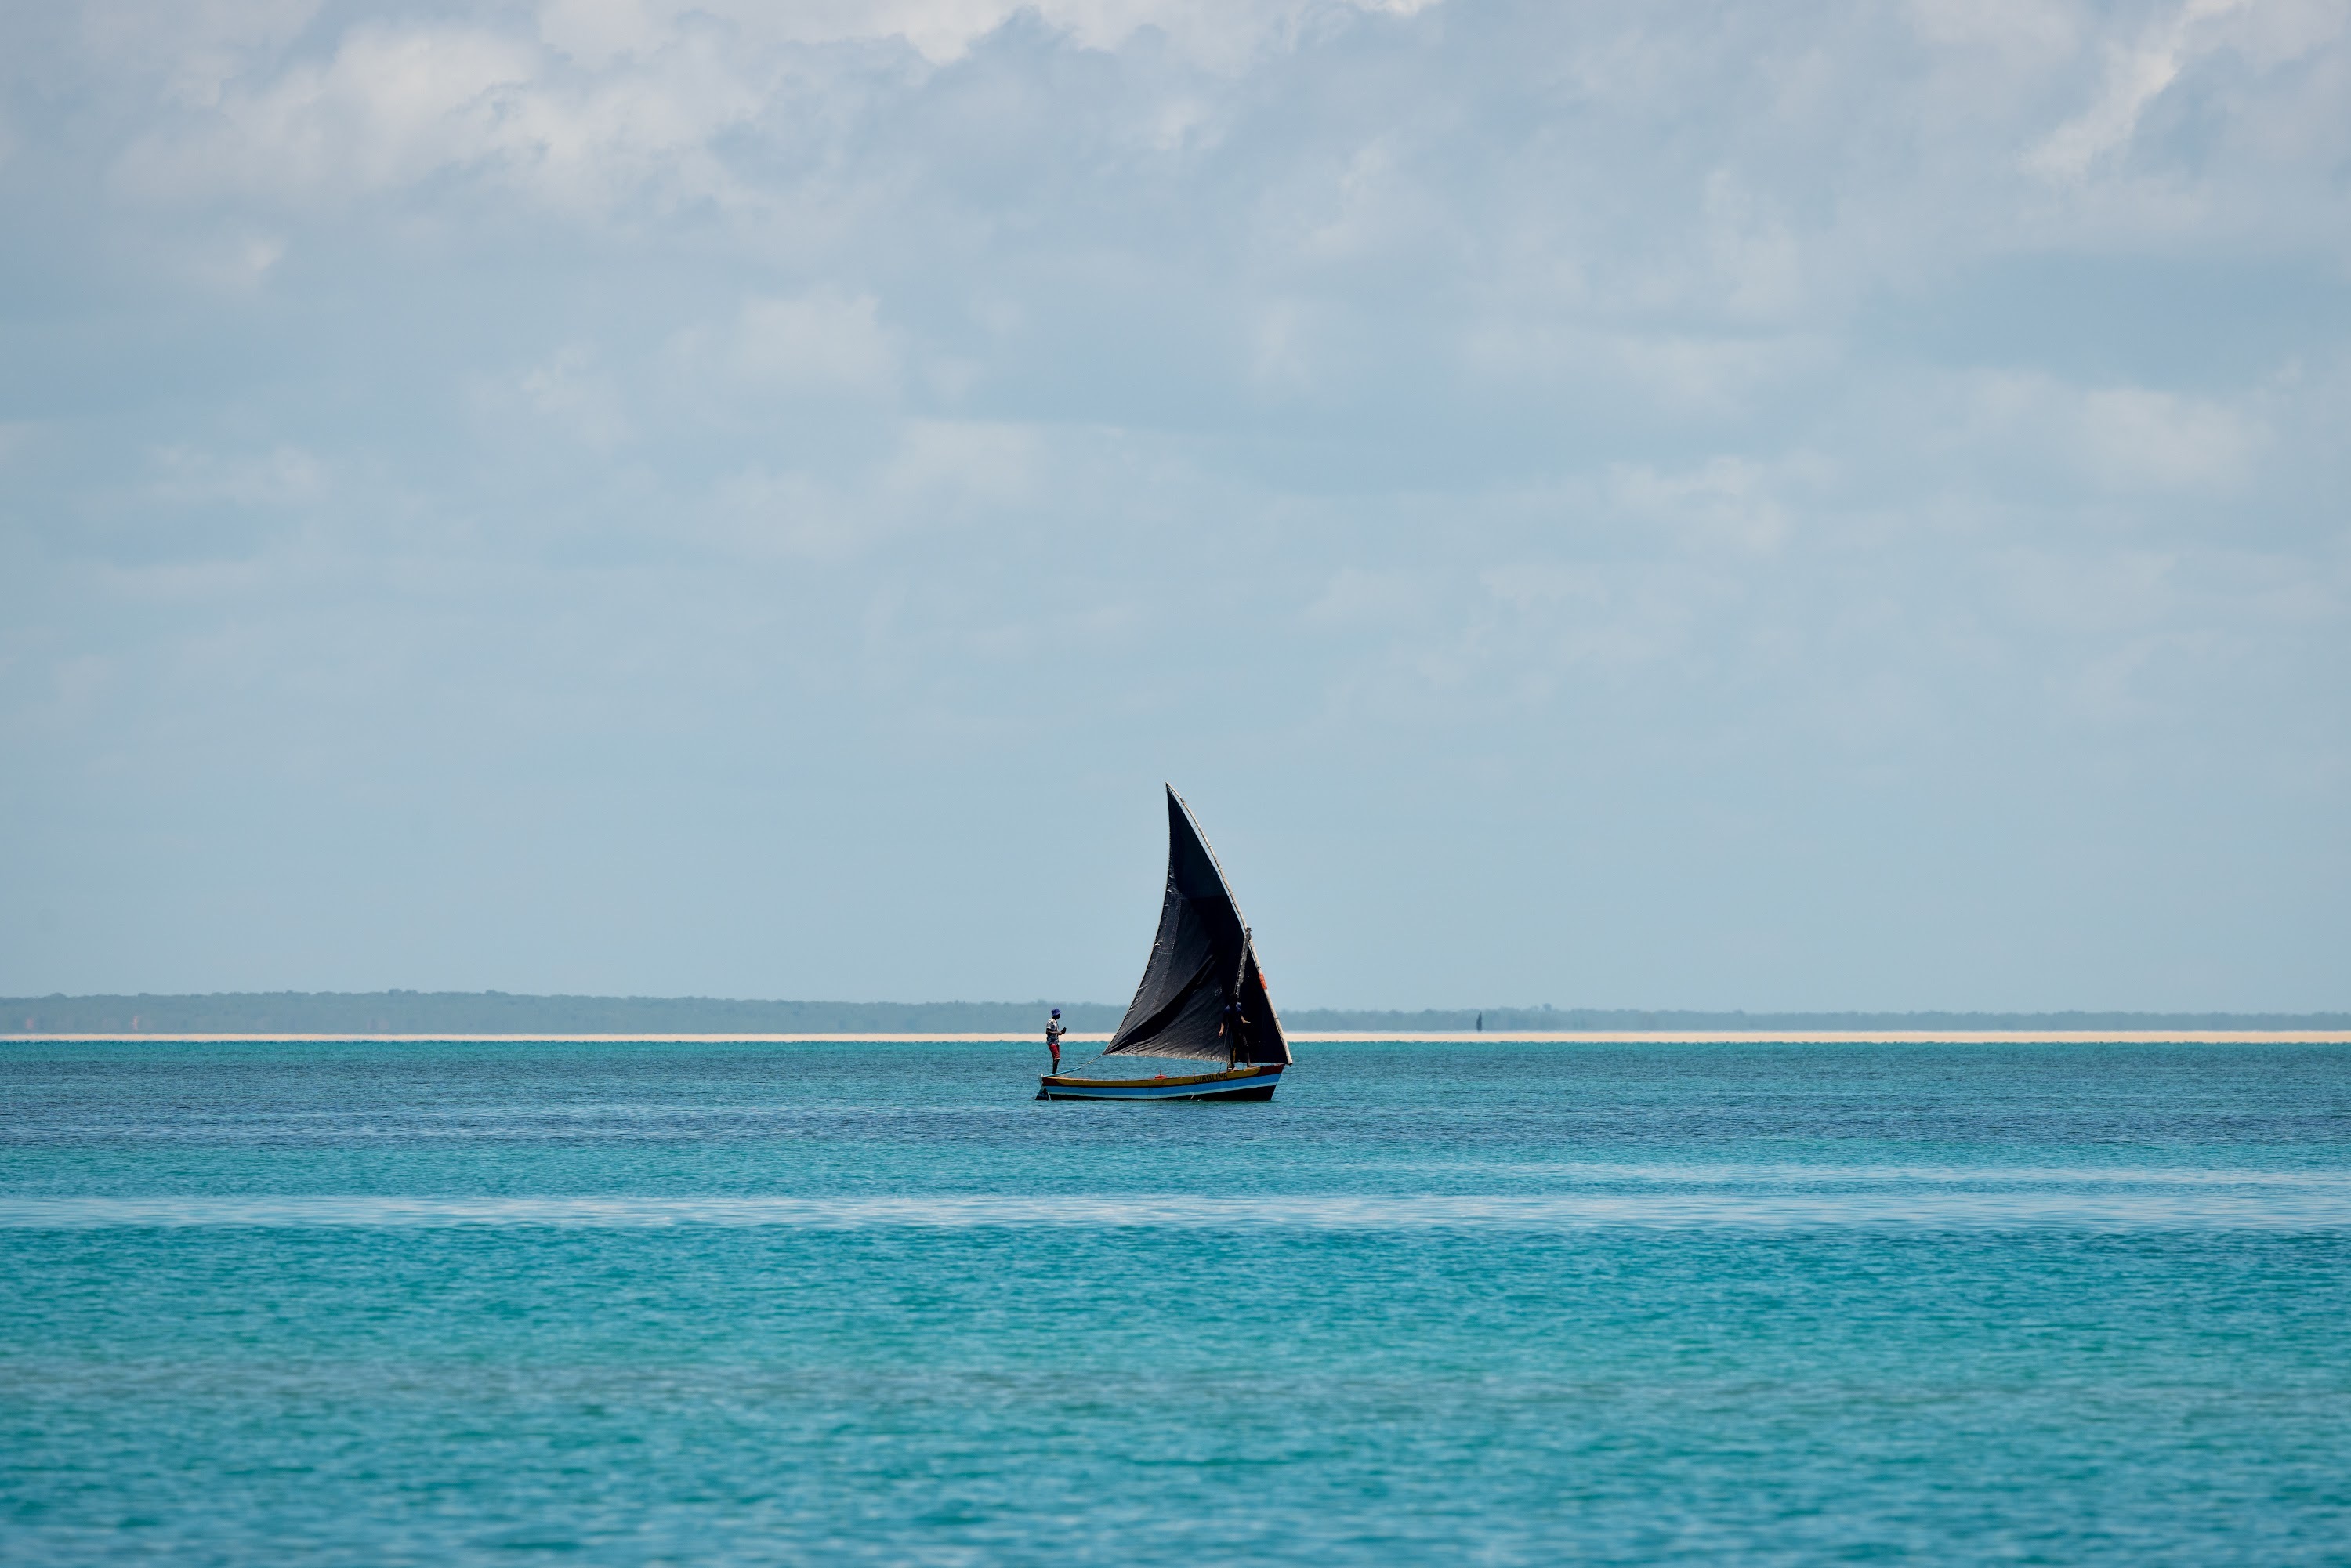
(1202, 998)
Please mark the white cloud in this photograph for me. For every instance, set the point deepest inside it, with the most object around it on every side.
(2137, 72)
(1359, 598)
(761, 513)
(1281, 359)
(189, 474)
(955, 467)
(1758, 261)
(396, 105)
(2122, 439)
(2127, 590)
(570, 393)
(1727, 503)
(825, 340)
(1225, 35)
(600, 98)
(196, 46)
(1804, 165)
(2027, 33)
(2132, 438)
(390, 106)
(1544, 621)
(597, 33)
(936, 476)
(1712, 374)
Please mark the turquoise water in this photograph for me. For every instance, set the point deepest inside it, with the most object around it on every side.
(599, 1304)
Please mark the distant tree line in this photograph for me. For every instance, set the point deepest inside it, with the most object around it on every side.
(1613, 1020)
(498, 1012)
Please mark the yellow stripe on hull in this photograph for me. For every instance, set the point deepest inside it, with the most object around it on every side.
(1253, 1082)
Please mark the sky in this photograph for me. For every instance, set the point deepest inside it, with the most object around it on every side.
(1659, 504)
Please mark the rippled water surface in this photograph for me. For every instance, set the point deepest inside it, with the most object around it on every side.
(608, 1303)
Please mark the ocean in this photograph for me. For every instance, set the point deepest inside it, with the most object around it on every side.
(1503, 1303)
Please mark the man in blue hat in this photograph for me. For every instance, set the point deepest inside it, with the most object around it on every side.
(1053, 1032)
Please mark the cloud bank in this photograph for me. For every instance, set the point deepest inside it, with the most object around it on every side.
(1609, 503)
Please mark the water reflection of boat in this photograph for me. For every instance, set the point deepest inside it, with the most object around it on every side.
(1203, 998)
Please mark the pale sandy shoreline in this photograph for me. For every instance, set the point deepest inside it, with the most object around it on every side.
(1365, 1037)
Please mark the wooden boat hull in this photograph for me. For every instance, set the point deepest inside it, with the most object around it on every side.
(1240, 1083)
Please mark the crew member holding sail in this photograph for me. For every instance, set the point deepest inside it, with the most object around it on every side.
(1053, 1032)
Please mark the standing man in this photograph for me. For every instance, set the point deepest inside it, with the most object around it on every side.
(1053, 1032)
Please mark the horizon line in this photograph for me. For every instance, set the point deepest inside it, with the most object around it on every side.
(1619, 1015)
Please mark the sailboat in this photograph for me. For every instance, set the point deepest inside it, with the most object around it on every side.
(1203, 998)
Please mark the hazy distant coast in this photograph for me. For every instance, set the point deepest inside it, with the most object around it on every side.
(499, 1013)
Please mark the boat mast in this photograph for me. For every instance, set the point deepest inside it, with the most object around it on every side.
(1233, 1012)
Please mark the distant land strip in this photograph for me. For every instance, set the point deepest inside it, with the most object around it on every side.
(476, 1015)
(1489, 1038)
